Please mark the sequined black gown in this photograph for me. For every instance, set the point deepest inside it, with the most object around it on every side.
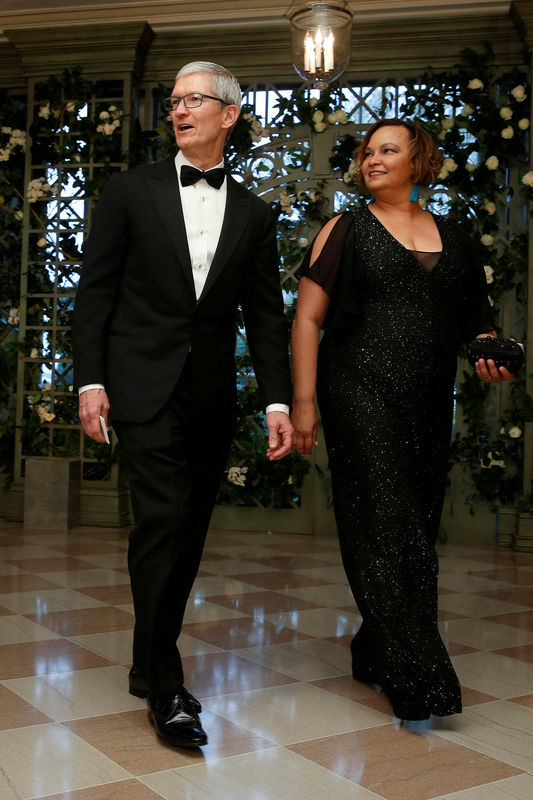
(386, 373)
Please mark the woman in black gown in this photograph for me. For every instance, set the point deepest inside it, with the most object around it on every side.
(396, 290)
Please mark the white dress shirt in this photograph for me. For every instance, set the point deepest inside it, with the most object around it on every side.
(203, 213)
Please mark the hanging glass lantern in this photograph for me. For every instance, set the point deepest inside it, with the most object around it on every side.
(321, 34)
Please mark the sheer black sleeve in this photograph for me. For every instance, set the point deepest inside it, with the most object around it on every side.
(334, 271)
(477, 313)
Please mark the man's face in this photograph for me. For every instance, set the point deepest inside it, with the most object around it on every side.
(201, 132)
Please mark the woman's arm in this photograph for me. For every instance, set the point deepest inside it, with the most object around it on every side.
(311, 310)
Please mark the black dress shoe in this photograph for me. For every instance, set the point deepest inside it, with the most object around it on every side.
(174, 723)
(139, 688)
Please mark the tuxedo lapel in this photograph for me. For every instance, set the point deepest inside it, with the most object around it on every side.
(163, 186)
(236, 216)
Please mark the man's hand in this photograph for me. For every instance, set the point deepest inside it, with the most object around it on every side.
(279, 435)
(93, 403)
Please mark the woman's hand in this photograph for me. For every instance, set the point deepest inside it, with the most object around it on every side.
(488, 372)
(305, 423)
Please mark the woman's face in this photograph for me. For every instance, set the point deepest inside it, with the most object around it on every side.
(386, 163)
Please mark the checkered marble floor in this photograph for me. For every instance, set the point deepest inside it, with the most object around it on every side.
(266, 650)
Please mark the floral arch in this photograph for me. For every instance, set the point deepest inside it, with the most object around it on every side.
(60, 142)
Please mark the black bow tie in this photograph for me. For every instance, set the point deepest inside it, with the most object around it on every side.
(214, 177)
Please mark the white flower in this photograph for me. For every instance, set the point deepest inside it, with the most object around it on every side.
(489, 206)
(4, 154)
(336, 116)
(506, 112)
(313, 196)
(303, 242)
(17, 138)
(508, 132)
(470, 167)
(44, 413)
(18, 215)
(13, 316)
(466, 110)
(475, 83)
(514, 432)
(489, 272)
(285, 201)
(318, 116)
(487, 240)
(528, 178)
(103, 115)
(519, 93)
(320, 126)
(352, 172)
(313, 102)
(523, 124)
(5, 129)
(492, 162)
(447, 123)
(237, 475)
(36, 189)
(256, 129)
(41, 242)
(108, 128)
(44, 111)
(495, 462)
(449, 164)
(112, 108)
(442, 135)
(443, 174)
(34, 353)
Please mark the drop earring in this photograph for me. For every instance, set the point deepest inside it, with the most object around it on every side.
(372, 200)
(414, 193)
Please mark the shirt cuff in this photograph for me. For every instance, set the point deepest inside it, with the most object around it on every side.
(278, 407)
(88, 386)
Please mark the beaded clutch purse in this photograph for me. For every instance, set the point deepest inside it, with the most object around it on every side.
(504, 352)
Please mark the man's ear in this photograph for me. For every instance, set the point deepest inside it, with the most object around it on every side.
(230, 116)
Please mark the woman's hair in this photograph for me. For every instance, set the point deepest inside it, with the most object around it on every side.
(425, 155)
(223, 82)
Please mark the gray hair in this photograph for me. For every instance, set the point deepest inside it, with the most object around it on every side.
(223, 82)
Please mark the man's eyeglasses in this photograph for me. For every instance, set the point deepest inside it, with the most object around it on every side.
(192, 100)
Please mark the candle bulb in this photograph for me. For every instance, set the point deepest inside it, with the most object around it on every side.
(328, 52)
(308, 47)
(319, 40)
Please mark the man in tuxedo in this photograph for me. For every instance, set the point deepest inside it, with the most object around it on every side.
(174, 249)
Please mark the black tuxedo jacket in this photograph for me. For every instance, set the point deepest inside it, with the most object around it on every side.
(136, 316)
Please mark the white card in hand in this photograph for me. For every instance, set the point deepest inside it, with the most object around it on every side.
(104, 429)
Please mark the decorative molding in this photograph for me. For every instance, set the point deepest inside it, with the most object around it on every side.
(106, 48)
(415, 45)
(10, 69)
(180, 14)
(522, 14)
